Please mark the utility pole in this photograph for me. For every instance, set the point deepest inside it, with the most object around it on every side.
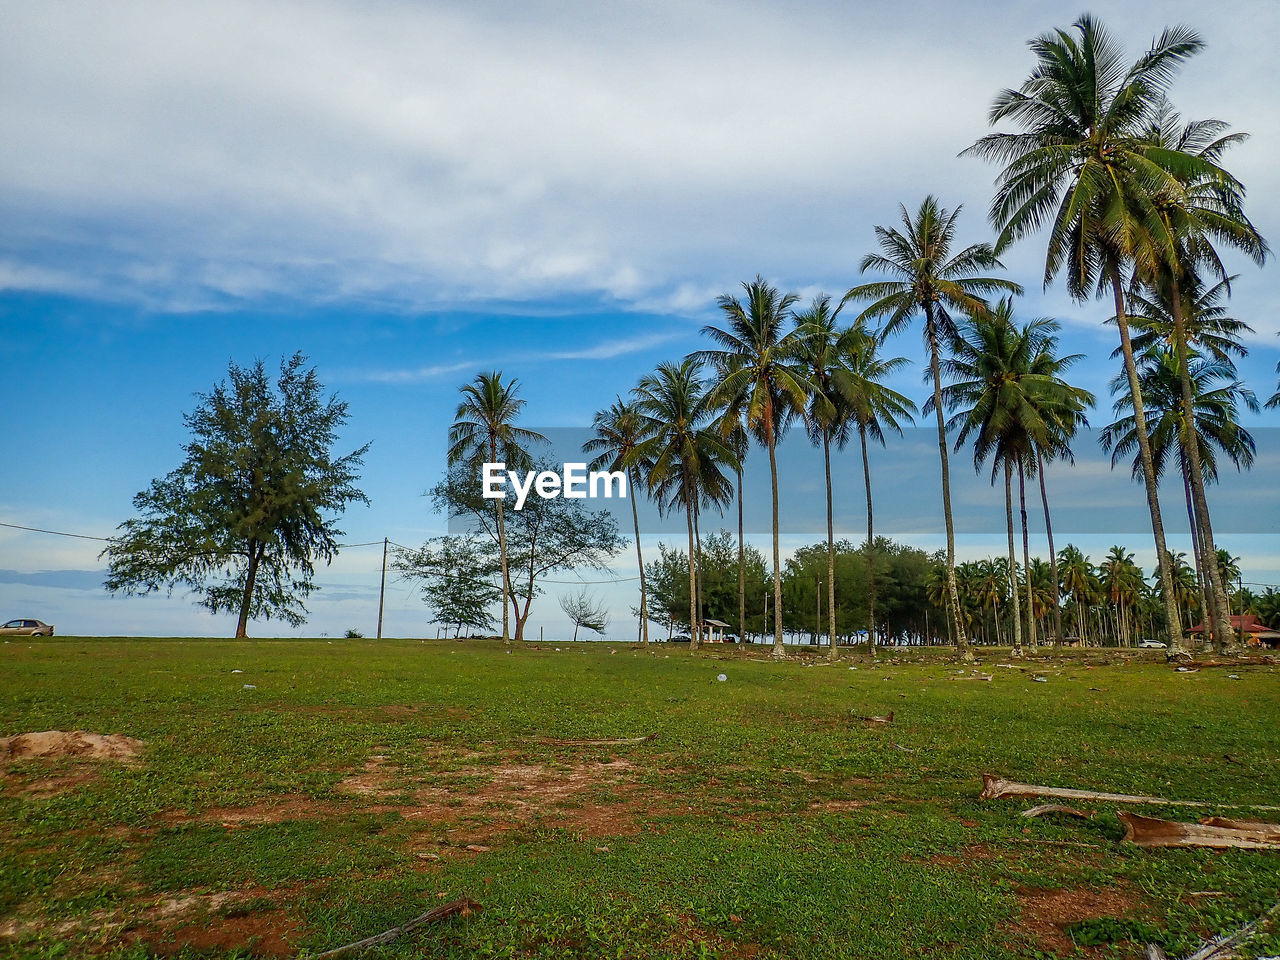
(382, 590)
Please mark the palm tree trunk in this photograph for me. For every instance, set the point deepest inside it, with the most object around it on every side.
(1013, 559)
(502, 549)
(1197, 551)
(953, 594)
(697, 543)
(1026, 555)
(778, 649)
(1175, 639)
(1053, 559)
(742, 571)
(644, 601)
(831, 551)
(1224, 634)
(693, 587)
(871, 546)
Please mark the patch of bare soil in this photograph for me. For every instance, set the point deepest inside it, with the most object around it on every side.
(518, 793)
(245, 920)
(56, 744)
(1044, 915)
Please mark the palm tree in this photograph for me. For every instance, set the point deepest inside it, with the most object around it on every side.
(820, 351)
(1084, 166)
(1121, 581)
(684, 453)
(875, 408)
(1209, 330)
(1217, 431)
(760, 379)
(926, 278)
(1185, 592)
(1080, 582)
(1208, 210)
(1008, 399)
(484, 426)
(616, 435)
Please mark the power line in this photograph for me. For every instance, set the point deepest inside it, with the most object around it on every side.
(56, 533)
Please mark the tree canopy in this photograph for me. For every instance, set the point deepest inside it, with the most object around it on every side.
(243, 519)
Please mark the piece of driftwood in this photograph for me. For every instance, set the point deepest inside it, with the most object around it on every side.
(887, 718)
(1241, 835)
(461, 907)
(1042, 809)
(994, 787)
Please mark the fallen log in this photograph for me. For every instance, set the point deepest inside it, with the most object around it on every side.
(1042, 809)
(1238, 835)
(994, 787)
(461, 907)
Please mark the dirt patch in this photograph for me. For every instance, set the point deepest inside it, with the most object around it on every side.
(1044, 915)
(56, 744)
(243, 920)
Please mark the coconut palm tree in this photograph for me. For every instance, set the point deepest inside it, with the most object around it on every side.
(926, 278)
(1121, 580)
(875, 408)
(1082, 164)
(1208, 211)
(1080, 583)
(616, 433)
(821, 351)
(759, 378)
(685, 454)
(1002, 401)
(1210, 332)
(1217, 399)
(484, 427)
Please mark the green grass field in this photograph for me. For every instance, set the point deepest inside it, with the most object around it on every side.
(362, 783)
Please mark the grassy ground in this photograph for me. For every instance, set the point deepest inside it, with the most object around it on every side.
(364, 782)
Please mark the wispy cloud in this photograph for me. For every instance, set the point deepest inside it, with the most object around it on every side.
(605, 350)
(610, 348)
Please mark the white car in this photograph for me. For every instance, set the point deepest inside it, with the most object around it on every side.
(27, 628)
(1153, 645)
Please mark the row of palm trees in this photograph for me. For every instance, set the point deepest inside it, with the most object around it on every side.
(1135, 204)
(1109, 601)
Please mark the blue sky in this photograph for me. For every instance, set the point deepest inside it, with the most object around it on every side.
(409, 193)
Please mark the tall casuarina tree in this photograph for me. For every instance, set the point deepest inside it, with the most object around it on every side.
(928, 279)
(685, 454)
(616, 433)
(758, 374)
(1081, 165)
(484, 430)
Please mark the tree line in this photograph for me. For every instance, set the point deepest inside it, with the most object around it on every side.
(1134, 205)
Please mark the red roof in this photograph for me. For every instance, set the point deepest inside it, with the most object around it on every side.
(1245, 624)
